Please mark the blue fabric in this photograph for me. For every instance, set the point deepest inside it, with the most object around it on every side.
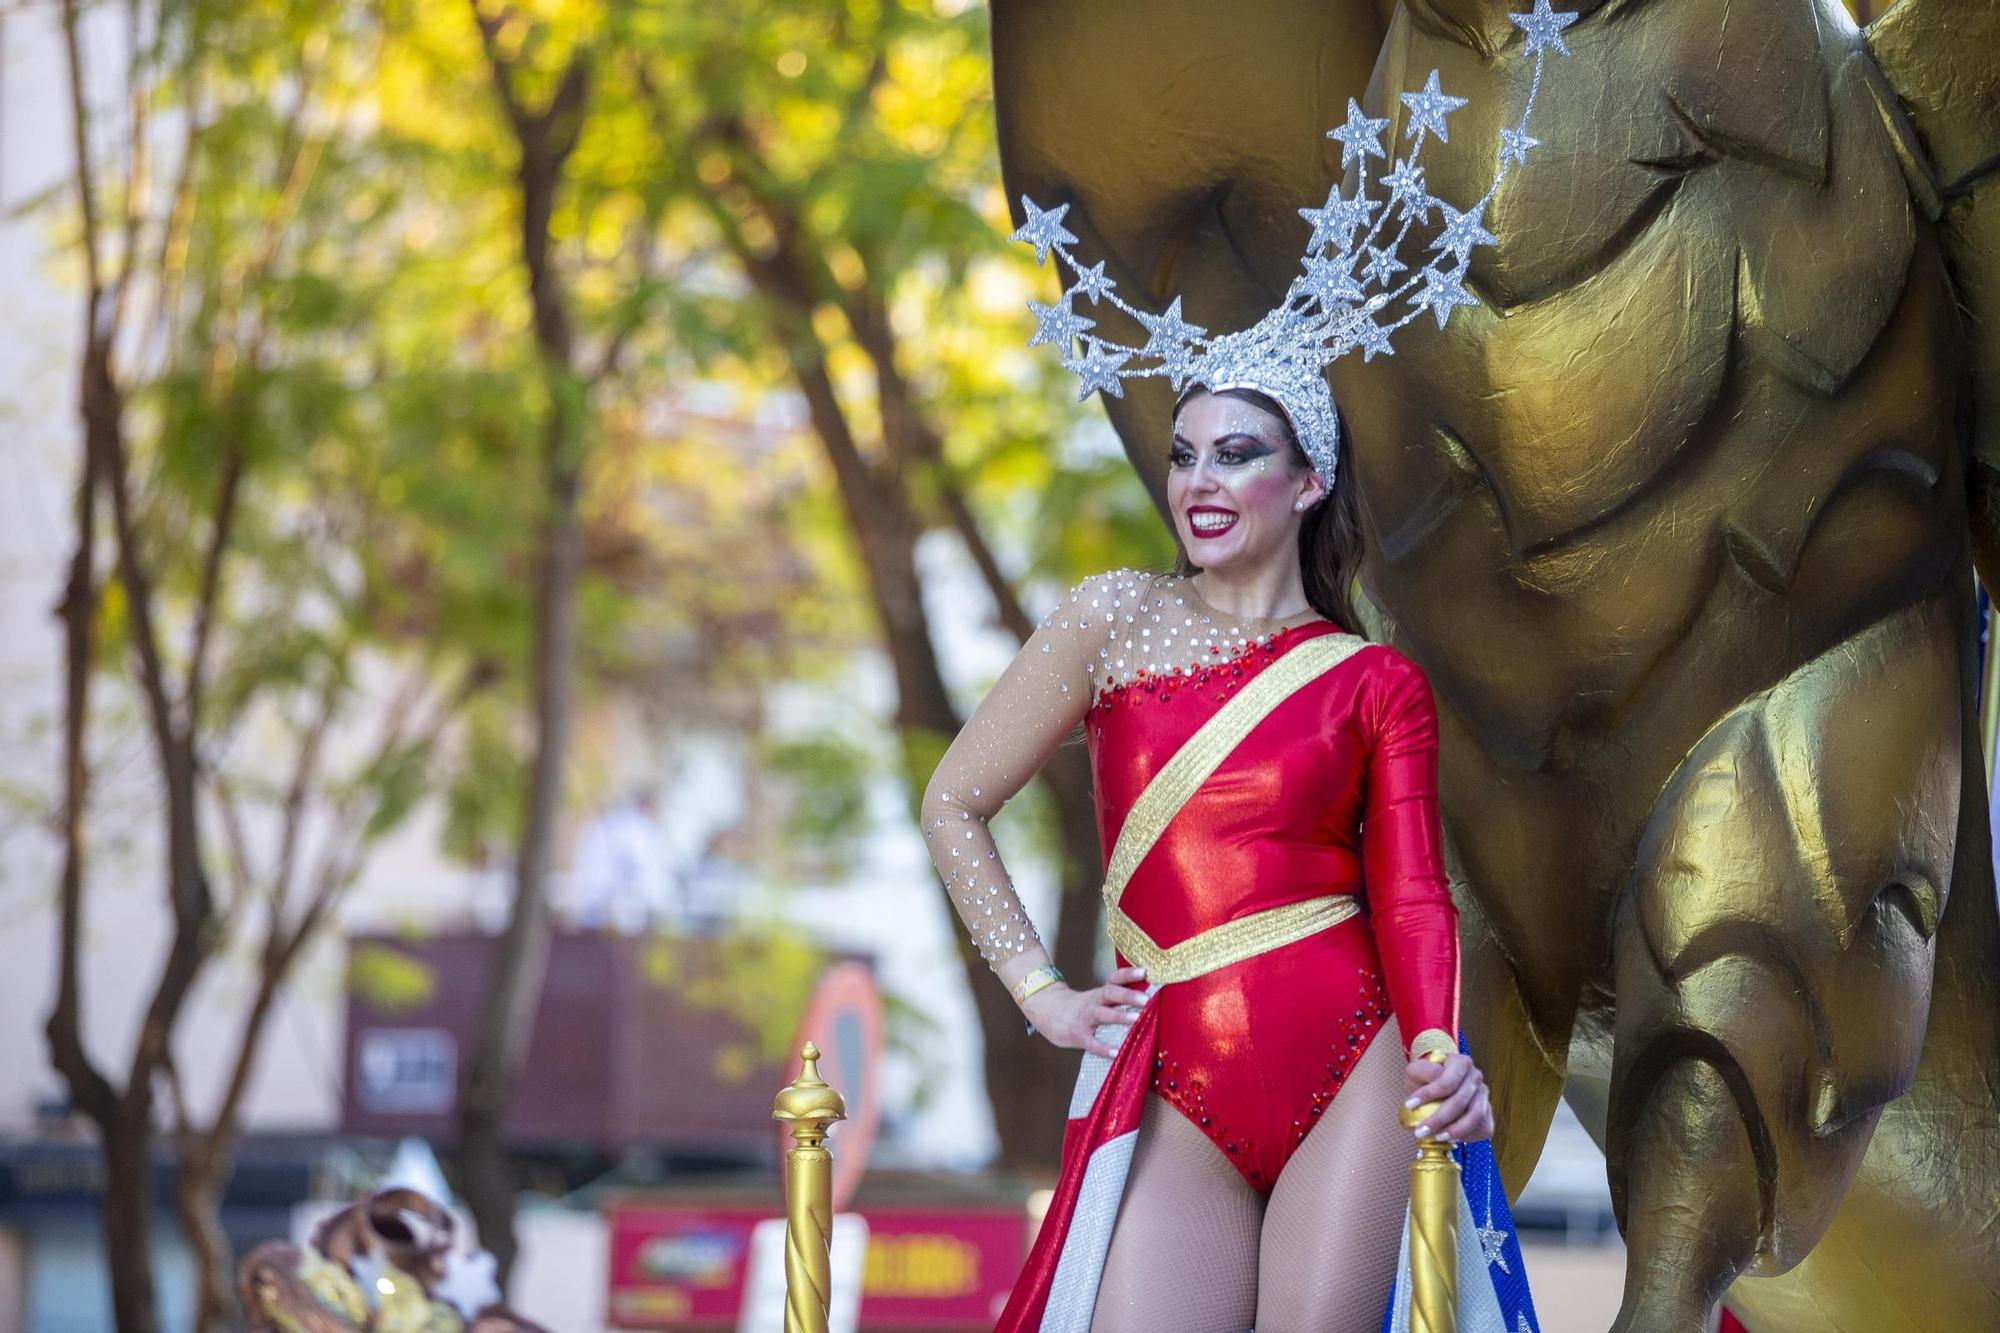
(1480, 1173)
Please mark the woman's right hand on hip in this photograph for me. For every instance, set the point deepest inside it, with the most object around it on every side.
(1070, 1018)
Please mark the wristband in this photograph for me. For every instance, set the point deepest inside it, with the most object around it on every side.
(1040, 979)
(1433, 1044)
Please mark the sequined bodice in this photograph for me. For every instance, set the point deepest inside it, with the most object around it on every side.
(1279, 821)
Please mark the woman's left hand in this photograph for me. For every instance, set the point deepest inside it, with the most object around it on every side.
(1464, 1113)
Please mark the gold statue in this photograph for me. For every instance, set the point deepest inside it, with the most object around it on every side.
(1681, 522)
(810, 1106)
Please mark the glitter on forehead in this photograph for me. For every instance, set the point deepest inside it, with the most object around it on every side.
(1353, 292)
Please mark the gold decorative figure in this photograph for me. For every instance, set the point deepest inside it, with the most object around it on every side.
(810, 1107)
(1681, 521)
(1434, 1205)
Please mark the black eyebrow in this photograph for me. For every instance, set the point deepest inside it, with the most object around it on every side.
(1220, 441)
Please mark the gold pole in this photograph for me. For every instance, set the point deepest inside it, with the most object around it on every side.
(810, 1107)
(1434, 1193)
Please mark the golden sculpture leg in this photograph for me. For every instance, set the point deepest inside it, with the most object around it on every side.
(1434, 1191)
(810, 1107)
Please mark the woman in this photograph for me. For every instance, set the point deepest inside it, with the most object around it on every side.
(1290, 1000)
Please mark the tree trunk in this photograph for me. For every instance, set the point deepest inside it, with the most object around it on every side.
(199, 1183)
(1079, 917)
(514, 986)
(1027, 1080)
(207, 1160)
(128, 1218)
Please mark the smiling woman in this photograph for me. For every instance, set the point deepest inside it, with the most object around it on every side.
(1235, 457)
(1249, 759)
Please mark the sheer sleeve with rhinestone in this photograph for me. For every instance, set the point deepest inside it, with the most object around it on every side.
(1035, 706)
(1409, 901)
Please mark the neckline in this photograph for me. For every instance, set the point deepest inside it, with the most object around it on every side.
(1305, 619)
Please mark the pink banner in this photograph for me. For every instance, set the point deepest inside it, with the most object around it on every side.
(682, 1266)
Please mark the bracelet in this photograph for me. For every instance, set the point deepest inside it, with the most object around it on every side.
(1038, 980)
(1433, 1044)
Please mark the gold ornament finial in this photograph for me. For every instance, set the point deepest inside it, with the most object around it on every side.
(808, 1103)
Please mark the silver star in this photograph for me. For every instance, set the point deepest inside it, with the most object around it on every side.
(1360, 137)
(1381, 264)
(1168, 330)
(1406, 187)
(1521, 1324)
(1329, 282)
(1336, 222)
(1492, 1240)
(1371, 338)
(1514, 146)
(1462, 231)
(1544, 28)
(1043, 229)
(469, 1285)
(1091, 282)
(1098, 370)
(1444, 289)
(1429, 107)
(368, 1269)
(1057, 323)
(1169, 342)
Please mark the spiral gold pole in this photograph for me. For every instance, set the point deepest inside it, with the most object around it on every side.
(810, 1107)
(1434, 1193)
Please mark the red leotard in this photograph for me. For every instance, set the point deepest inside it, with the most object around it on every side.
(1334, 793)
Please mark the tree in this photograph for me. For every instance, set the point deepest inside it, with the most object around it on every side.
(843, 156)
(235, 439)
(541, 67)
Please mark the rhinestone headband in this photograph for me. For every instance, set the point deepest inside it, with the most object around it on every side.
(1354, 291)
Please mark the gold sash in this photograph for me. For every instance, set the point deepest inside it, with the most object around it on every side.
(1170, 789)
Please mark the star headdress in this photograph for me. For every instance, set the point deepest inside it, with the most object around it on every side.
(1353, 293)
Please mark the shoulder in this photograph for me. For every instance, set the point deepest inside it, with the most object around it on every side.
(1390, 666)
(1099, 596)
(1396, 685)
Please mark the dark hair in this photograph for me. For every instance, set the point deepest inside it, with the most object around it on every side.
(1330, 534)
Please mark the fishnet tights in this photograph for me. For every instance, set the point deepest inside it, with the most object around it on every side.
(1197, 1250)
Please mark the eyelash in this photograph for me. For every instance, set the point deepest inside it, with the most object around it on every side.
(1228, 457)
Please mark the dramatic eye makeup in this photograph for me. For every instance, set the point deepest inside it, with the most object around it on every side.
(1237, 449)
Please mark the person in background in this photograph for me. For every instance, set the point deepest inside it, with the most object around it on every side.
(622, 879)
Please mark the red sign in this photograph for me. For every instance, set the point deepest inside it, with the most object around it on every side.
(681, 1266)
(845, 1020)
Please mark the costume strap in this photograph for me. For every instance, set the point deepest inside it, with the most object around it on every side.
(1171, 788)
